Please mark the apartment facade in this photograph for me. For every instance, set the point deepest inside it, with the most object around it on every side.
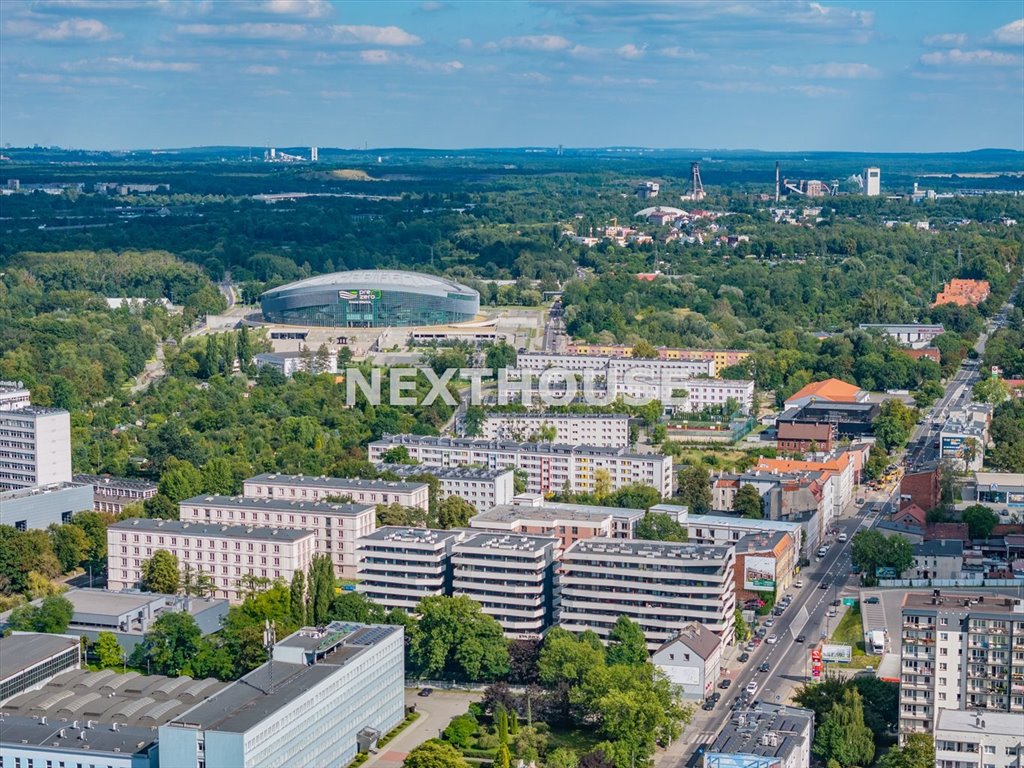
(604, 430)
(335, 526)
(960, 652)
(567, 525)
(398, 567)
(481, 487)
(229, 554)
(302, 488)
(722, 358)
(550, 467)
(35, 446)
(977, 740)
(661, 586)
(512, 577)
(113, 494)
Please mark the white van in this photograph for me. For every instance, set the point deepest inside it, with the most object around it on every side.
(841, 538)
(822, 551)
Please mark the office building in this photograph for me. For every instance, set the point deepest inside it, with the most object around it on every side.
(271, 485)
(29, 660)
(913, 335)
(229, 554)
(129, 615)
(481, 487)
(550, 467)
(978, 740)
(692, 660)
(961, 652)
(35, 442)
(511, 576)
(398, 567)
(329, 693)
(113, 494)
(872, 182)
(661, 586)
(44, 505)
(764, 735)
(609, 430)
(335, 526)
(307, 361)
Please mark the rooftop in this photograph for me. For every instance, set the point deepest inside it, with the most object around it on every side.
(999, 723)
(323, 481)
(616, 512)
(727, 521)
(38, 490)
(508, 542)
(145, 525)
(769, 730)
(282, 505)
(896, 327)
(831, 390)
(53, 733)
(697, 638)
(22, 650)
(545, 416)
(1008, 479)
(643, 548)
(386, 279)
(33, 410)
(469, 443)
(939, 548)
(960, 601)
(410, 535)
(508, 513)
(128, 483)
(760, 542)
(445, 473)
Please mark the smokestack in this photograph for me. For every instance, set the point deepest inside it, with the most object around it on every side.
(776, 181)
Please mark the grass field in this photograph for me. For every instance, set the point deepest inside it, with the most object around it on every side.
(851, 632)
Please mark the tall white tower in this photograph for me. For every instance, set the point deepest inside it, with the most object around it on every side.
(872, 182)
(314, 154)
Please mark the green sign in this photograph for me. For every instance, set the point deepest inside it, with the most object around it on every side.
(850, 601)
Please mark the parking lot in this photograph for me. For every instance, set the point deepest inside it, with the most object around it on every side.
(436, 711)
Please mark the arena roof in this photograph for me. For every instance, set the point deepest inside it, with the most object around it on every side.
(383, 279)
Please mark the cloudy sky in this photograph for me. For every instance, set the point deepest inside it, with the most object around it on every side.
(765, 74)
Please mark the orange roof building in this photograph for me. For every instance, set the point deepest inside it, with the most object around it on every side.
(963, 292)
(829, 391)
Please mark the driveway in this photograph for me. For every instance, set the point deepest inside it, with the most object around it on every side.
(436, 712)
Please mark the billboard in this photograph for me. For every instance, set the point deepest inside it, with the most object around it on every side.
(953, 446)
(759, 574)
(885, 572)
(817, 666)
(840, 653)
(1015, 499)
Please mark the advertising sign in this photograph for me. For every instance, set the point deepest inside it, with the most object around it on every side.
(361, 294)
(759, 574)
(886, 573)
(817, 667)
(1015, 499)
(849, 601)
(953, 446)
(840, 653)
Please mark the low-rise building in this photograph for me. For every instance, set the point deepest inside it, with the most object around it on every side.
(978, 740)
(661, 586)
(398, 567)
(851, 419)
(604, 429)
(692, 660)
(41, 506)
(329, 693)
(231, 555)
(335, 526)
(511, 576)
(937, 559)
(963, 292)
(550, 467)
(113, 494)
(765, 735)
(567, 525)
(1002, 491)
(803, 437)
(271, 485)
(827, 391)
(764, 564)
(480, 486)
(289, 363)
(29, 660)
(624, 519)
(964, 436)
(912, 335)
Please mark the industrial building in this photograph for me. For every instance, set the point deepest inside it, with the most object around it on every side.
(913, 335)
(113, 494)
(229, 554)
(481, 487)
(371, 298)
(661, 586)
(335, 526)
(271, 485)
(41, 506)
(29, 660)
(398, 567)
(550, 467)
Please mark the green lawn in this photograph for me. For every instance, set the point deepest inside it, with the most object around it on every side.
(851, 632)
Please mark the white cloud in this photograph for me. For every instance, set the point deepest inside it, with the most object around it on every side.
(533, 43)
(981, 57)
(613, 81)
(306, 9)
(466, 43)
(150, 65)
(38, 77)
(630, 51)
(813, 91)
(948, 40)
(248, 31)
(675, 52)
(261, 69)
(1010, 34)
(68, 30)
(538, 78)
(836, 70)
(433, 5)
(335, 94)
(378, 57)
(392, 36)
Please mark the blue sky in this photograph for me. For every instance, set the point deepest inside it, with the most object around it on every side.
(763, 74)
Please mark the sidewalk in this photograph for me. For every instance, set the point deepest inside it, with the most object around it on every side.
(436, 712)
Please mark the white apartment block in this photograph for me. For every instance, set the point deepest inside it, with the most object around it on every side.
(661, 586)
(960, 652)
(511, 576)
(978, 740)
(550, 467)
(35, 442)
(605, 430)
(481, 487)
(113, 494)
(915, 336)
(302, 488)
(567, 525)
(398, 566)
(227, 553)
(723, 530)
(335, 526)
(537, 362)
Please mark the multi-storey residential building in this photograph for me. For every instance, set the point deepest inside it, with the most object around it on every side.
(550, 467)
(113, 494)
(481, 487)
(978, 740)
(624, 520)
(398, 567)
(609, 430)
(302, 488)
(722, 358)
(839, 475)
(913, 335)
(764, 564)
(795, 497)
(661, 586)
(960, 651)
(567, 525)
(725, 530)
(44, 505)
(229, 554)
(511, 576)
(35, 442)
(336, 526)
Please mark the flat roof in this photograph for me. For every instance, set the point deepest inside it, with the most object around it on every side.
(335, 482)
(725, 521)
(39, 490)
(280, 505)
(507, 513)
(22, 650)
(107, 481)
(21, 731)
(548, 416)
(760, 542)
(643, 548)
(410, 535)
(147, 525)
(980, 722)
(509, 542)
(469, 443)
(743, 733)
(965, 602)
(904, 326)
(445, 473)
(1009, 479)
(620, 512)
(34, 410)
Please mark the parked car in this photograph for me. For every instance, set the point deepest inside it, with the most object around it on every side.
(873, 600)
(708, 705)
(715, 696)
(744, 657)
(772, 639)
(765, 667)
(725, 683)
(425, 692)
(769, 622)
(799, 583)
(837, 602)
